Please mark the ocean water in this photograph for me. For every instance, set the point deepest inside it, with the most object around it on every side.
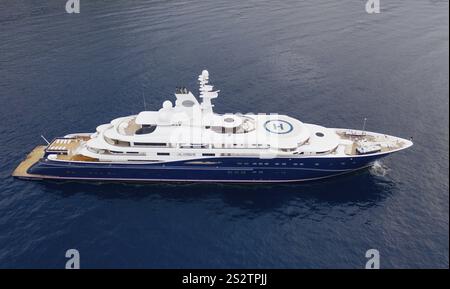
(323, 61)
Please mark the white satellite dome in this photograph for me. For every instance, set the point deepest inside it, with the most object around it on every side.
(167, 104)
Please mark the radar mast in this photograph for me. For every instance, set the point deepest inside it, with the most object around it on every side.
(206, 92)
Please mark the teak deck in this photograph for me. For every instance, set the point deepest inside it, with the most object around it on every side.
(32, 158)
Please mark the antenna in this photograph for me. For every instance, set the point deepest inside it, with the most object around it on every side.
(45, 139)
(364, 125)
(143, 98)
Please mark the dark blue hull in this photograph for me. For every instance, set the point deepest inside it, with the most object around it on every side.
(206, 170)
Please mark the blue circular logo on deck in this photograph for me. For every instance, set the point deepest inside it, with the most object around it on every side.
(278, 126)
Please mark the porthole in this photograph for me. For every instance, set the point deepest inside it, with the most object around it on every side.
(320, 134)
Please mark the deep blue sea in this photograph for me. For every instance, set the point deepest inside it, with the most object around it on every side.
(324, 61)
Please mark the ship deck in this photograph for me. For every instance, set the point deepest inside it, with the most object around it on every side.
(33, 157)
(387, 143)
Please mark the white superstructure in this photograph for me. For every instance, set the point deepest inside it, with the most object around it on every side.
(191, 129)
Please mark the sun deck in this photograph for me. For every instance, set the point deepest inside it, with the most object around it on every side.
(66, 149)
(64, 145)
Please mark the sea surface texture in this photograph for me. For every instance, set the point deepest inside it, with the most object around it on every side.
(326, 62)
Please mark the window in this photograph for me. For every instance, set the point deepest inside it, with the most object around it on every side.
(146, 129)
(150, 144)
(188, 103)
(208, 155)
(320, 134)
(193, 146)
(117, 142)
(163, 154)
(123, 143)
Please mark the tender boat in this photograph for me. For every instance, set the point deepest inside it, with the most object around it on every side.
(189, 142)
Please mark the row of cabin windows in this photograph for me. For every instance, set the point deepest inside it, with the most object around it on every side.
(199, 146)
(284, 164)
(98, 173)
(129, 153)
(266, 164)
(156, 144)
(193, 154)
(212, 155)
(206, 155)
(150, 144)
(159, 153)
(244, 172)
